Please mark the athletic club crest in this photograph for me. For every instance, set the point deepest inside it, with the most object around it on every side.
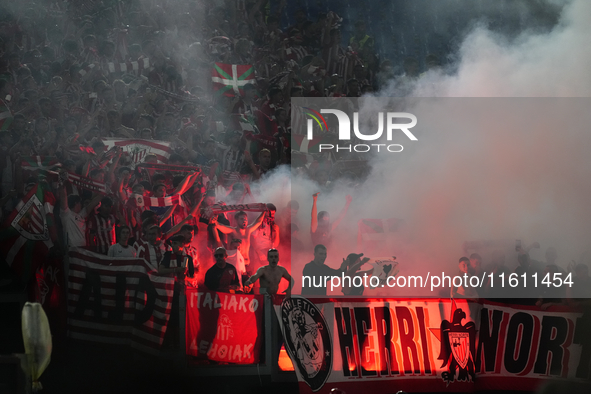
(30, 221)
(458, 348)
(137, 151)
(307, 340)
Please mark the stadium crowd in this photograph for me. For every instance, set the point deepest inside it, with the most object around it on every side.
(136, 120)
(142, 122)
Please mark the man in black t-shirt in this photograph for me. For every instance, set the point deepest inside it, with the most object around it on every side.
(317, 270)
(222, 275)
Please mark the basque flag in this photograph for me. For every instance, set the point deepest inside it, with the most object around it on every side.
(229, 79)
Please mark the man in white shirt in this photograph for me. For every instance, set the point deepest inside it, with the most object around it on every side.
(73, 217)
(121, 248)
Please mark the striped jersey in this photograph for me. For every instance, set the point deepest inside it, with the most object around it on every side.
(152, 254)
(101, 232)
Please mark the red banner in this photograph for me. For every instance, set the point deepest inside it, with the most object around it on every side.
(224, 327)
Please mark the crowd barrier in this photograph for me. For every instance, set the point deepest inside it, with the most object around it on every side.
(417, 345)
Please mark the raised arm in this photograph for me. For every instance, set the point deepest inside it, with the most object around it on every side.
(111, 174)
(355, 267)
(250, 162)
(186, 183)
(63, 198)
(275, 240)
(93, 203)
(341, 216)
(257, 222)
(167, 215)
(327, 27)
(177, 227)
(255, 277)
(222, 227)
(120, 192)
(314, 224)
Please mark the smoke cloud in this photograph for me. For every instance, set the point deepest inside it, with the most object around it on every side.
(482, 169)
(550, 64)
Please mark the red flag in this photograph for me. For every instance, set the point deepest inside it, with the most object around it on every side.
(229, 79)
(224, 327)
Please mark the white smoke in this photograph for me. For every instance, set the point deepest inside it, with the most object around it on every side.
(551, 64)
(475, 176)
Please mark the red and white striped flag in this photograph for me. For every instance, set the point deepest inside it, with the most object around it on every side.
(147, 202)
(117, 301)
(139, 66)
(86, 70)
(138, 149)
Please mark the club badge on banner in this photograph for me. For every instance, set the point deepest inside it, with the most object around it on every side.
(224, 327)
(427, 345)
